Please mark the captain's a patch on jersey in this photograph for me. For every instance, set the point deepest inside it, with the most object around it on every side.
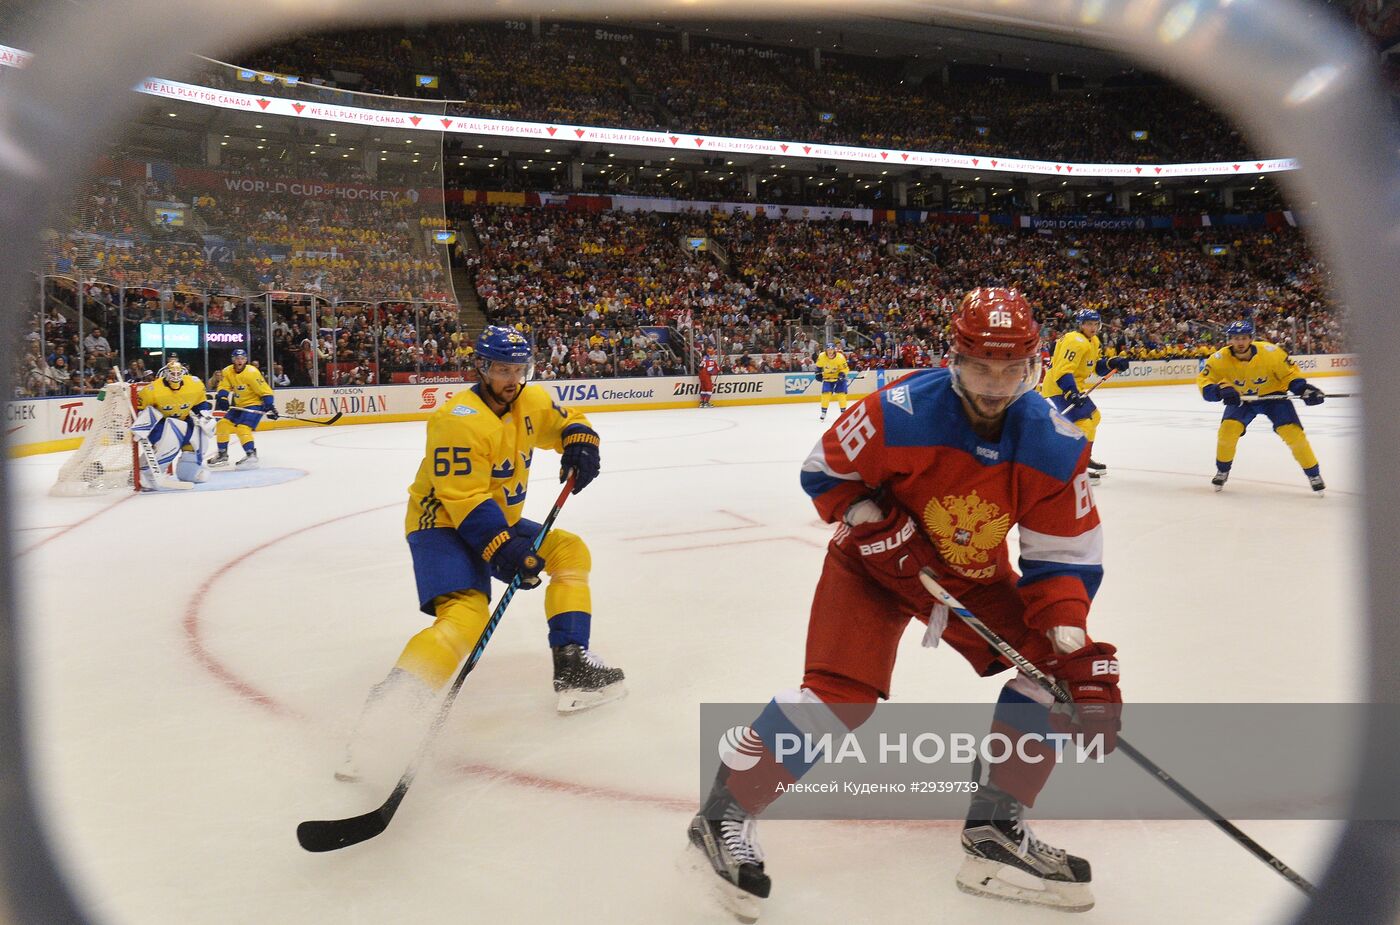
(463, 410)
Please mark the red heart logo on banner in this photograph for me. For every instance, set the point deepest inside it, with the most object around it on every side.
(446, 123)
(974, 162)
(551, 131)
(1259, 165)
(993, 163)
(579, 132)
(784, 147)
(264, 103)
(806, 149)
(1058, 168)
(1237, 166)
(1069, 168)
(298, 107)
(1158, 169)
(699, 142)
(884, 154)
(674, 139)
(905, 156)
(1138, 169)
(415, 120)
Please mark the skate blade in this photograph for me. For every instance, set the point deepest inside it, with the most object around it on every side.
(1219, 488)
(348, 775)
(576, 701)
(980, 877)
(744, 906)
(245, 465)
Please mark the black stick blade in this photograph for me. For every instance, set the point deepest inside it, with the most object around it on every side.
(334, 834)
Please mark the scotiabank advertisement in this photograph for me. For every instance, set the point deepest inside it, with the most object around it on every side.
(45, 425)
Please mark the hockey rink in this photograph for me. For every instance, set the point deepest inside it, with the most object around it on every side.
(196, 660)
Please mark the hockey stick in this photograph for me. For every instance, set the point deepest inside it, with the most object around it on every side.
(1286, 396)
(1111, 374)
(163, 481)
(327, 422)
(291, 417)
(1061, 696)
(333, 834)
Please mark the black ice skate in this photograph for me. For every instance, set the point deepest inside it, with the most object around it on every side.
(220, 460)
(583, 681)
(1221, 476)
(1317, 484)
(1098, 467)
(724, 835)
(249, 461)
(1005, 861)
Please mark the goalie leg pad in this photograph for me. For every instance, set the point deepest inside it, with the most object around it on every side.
(190, 468)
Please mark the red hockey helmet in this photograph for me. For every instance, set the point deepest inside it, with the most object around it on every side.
(995, 324)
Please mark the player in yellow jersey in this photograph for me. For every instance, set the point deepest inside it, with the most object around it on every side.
(173, 418)
(1254, 377)
(245, 398)
(464, 526)
(833, 369)
(1079, 354)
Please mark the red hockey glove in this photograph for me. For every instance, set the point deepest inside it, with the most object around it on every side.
(1090, 676)
(892, 547)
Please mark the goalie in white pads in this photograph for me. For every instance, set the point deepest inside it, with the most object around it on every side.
(173, 424)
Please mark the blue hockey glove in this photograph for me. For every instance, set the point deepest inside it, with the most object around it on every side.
(580, 455)
(510, 554)
(1309, 393)
(1229, 395)
(1118, 364)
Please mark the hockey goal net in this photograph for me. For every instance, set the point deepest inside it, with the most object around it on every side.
(106, 460)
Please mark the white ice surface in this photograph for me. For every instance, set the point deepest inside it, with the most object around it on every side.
(196, 659)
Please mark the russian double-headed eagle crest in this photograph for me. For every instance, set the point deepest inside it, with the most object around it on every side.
(966, 529)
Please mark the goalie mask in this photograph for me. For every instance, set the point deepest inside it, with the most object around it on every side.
(173, 373)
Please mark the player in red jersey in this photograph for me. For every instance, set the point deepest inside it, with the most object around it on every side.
(709, 374)
(932, 471)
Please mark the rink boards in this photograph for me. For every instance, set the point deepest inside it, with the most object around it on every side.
(49, 425)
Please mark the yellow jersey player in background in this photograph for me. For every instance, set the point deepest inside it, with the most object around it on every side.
(1079, 354)
(833, 368)
(173, 418)
(1254, 377)
(464, 526)
(245, 398)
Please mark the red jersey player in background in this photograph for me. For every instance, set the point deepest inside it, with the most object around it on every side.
(933, 471)
(709, 374)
